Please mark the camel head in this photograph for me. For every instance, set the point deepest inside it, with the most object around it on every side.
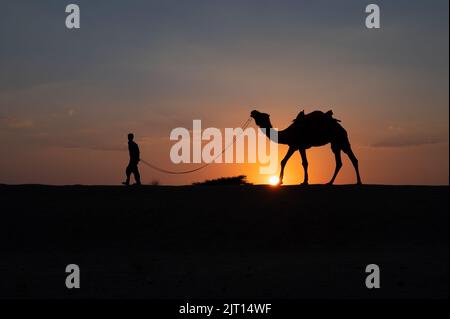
(261, 119)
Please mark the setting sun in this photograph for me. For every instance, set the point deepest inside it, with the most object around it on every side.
(274, 180)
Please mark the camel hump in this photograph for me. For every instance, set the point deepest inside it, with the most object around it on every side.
(300, 116)
(315, 116)
(330, 115)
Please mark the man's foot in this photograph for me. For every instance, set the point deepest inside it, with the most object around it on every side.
(137, 184)
(125, 183)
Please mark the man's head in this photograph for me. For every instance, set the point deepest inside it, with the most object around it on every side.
(130, 136)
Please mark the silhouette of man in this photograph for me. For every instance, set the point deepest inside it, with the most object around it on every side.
(132, 167)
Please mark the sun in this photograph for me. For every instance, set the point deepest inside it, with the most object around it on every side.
(274, 180)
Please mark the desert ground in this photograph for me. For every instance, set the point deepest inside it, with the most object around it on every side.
(164, 242)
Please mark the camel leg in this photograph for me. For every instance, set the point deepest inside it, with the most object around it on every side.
(284, 161)
(337, 155)
(305, 166)
(354, 160)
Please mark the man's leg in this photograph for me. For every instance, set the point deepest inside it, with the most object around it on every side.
(136, 174)
(128, 174)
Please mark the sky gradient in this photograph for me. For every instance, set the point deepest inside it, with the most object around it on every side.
(68, 98)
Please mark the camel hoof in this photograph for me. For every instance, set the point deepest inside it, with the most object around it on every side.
(304, 184)
(329, 183)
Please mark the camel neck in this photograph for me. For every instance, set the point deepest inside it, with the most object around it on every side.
(280, 137)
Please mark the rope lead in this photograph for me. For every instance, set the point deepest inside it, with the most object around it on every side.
(162, 170)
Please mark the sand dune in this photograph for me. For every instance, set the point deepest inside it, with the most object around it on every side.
(224, 242)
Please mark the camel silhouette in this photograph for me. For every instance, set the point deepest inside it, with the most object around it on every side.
(310, 130)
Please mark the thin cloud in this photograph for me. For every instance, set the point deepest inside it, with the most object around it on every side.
(409, 141)
(111, 148)
(75, 140)
(16, 123)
